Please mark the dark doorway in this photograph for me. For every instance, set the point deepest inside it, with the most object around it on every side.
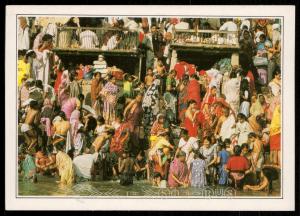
(203, 60)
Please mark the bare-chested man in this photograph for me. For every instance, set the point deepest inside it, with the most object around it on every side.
(60, 127)
(127, 168)
(32, 119)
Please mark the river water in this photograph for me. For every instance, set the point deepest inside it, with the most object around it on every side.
(47, 186)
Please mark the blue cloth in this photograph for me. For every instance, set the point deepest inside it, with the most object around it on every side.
(223, 175)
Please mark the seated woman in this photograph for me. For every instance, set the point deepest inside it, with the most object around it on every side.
(237, 166)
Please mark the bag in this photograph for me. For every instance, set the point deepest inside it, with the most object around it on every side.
(260, 61)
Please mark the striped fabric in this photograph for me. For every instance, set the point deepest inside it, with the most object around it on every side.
(64, 38)
(88, 40)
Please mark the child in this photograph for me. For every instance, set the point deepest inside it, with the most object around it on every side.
(27, 165)
(142, 166)
(222, 159)
(126, 167)
(243, 128)
(149, 78)
(158, 181)
(197, 171)
(128, 86)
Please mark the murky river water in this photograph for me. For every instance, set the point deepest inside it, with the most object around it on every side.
(47, 186)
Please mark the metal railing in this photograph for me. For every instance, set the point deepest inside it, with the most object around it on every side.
(214, 38)
(88, 38)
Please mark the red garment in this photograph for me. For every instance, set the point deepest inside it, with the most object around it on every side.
(57, 81)
(180, 68)
(119, 139)
(191, 127)
(251, 83)
(193, 92)
(220, 104)
(79, 74)
(191, 69)
(202, 73)
(237, 164)
(275, 141)
(141, 37)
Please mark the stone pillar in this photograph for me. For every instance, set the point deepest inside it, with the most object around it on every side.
(235, 59)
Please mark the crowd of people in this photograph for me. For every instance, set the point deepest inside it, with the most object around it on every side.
(179, 127)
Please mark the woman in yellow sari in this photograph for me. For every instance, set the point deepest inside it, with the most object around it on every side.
(275, 136)
(257, 110)
(64, 165)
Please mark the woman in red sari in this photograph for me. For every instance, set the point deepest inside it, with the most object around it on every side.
(191, 122)
(193, 90)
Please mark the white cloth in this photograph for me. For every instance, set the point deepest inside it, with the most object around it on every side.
(275, 88)
(112, 43)
(179, 26)
(226, 129)
(41, 66)
(25, 128)
(23, 38)
(276, 36)
(245, 23)
(131, 25)
(242, 130)
(232, 93)
(257, 35)
(229, 26)
(187, 147)
(83, 165)
(88, 40)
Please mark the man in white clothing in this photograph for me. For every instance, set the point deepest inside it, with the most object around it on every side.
(23, 34)
(88, 40)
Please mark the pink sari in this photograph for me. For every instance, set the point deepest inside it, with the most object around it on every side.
(63, 94)
(179, 170)
(68, 107)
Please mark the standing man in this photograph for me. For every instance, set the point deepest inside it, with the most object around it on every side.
(44, 59)
(23, 34)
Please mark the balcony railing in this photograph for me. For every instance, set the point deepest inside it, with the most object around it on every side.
(206, 38)
(104, 39)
